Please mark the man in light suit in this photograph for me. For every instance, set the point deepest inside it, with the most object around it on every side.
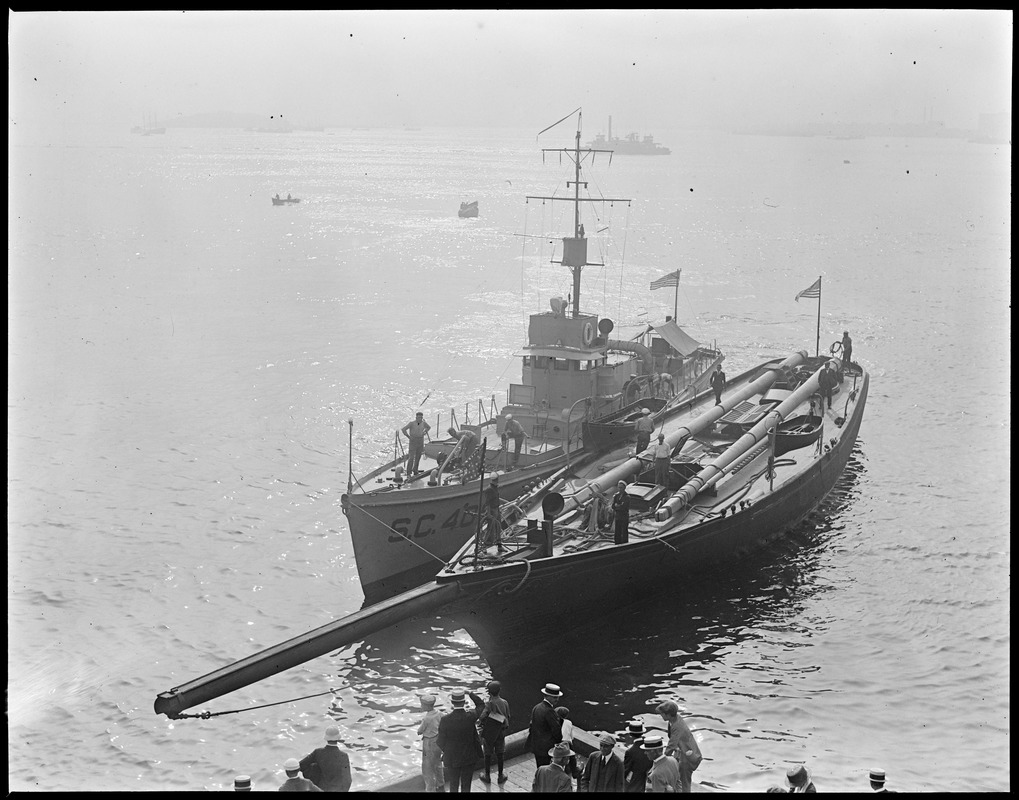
(604, 770)
(664, 774)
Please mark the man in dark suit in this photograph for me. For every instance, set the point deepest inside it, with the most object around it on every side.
(328, 767)
(636, 764)
(545, 729)
(621, 513)
(459, 741)
(604, 770)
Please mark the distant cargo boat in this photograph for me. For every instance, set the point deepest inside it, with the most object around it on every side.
(468, 209)
(632, 145)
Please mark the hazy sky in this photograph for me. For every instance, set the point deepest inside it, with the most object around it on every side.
(648, 69)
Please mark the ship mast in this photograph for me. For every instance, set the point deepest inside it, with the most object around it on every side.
(575, 247)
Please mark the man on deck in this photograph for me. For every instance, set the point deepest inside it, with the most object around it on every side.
(514, 430)
(415, 431)
(644, 426)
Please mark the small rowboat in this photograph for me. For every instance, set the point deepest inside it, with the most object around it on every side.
(613, 430)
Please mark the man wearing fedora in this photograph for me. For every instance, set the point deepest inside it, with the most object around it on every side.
(328, 767)
(294, 781)
(459, 741)
(682, 745)
(545, 729)
(603, 771)
(552, 777)
(664, 773)
(636, 764)
(799, 780)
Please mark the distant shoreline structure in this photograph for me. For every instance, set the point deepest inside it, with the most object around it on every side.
(992, 129)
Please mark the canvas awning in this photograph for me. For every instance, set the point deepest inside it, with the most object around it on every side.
(677, 337)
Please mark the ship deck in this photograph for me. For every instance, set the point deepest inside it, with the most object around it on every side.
(587, 528)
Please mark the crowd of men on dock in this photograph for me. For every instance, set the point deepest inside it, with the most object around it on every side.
(453, 744)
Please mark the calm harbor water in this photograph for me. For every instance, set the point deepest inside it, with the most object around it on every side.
(184, 359)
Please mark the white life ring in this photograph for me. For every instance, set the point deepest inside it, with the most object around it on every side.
(588, 333)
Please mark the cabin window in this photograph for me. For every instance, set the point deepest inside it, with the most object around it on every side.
(561, 364)
(527, 361)
(541, 362)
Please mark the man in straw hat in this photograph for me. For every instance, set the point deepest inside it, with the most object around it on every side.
(328, 767)
(682, 745)
(294, 782)
(431, 755)
(552, 777)
(644, 427)
(459, 741)
(877, 781)
(799, 780)
(664, 773)
(545, 729)
(603, 771)
(636, 764)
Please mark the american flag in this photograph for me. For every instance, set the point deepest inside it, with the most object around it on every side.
(472, 466)
(672, 279)
(814, 290)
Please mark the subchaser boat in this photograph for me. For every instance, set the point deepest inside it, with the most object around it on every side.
(405, 525)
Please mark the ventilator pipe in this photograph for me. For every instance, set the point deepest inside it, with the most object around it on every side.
(633, 466)
(713, 471)
(633, 347)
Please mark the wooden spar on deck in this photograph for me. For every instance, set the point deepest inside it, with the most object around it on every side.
(633, 466)
(283, 656)
(713, 471)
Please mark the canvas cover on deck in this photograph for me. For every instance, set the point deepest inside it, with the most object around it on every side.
(676, 336)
